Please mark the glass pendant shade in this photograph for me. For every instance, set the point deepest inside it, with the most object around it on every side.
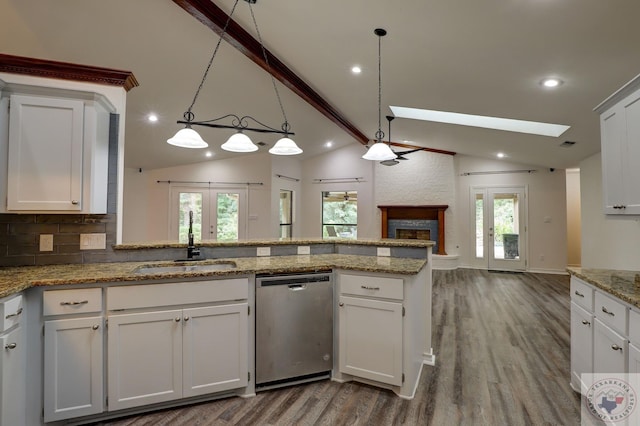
(187, 138)
(239, 142)
(285, 146)
(379, 151)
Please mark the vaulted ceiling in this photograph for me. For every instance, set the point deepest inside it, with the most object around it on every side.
(483, 58)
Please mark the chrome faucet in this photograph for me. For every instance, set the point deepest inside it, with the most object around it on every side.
(192, 250)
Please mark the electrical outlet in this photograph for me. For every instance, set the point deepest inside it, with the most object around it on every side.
(46, 242)
(304, 250)
(263, 251)
(93, 241)
(542, 257)
(384, 251)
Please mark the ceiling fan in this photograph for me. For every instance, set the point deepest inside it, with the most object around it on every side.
(399, 155)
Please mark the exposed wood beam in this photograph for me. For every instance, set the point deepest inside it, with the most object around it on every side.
(422, 148)
(67, 71)
(215, 18)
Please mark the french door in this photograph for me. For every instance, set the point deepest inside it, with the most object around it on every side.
(218, 213)
(499, 224)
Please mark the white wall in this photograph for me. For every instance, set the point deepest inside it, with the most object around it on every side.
(608, 241)
(426, 178)
(574, 221)
(339, 164)
(547, 199)
(135, 206)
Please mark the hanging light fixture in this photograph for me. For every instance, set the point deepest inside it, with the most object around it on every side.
(393, 161)
(238, 142)
(379, 151)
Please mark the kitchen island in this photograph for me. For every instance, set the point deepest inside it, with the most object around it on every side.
(99, 319)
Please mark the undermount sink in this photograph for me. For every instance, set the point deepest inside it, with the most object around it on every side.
(200, 267)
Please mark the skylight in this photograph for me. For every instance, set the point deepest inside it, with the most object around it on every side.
(507, 124)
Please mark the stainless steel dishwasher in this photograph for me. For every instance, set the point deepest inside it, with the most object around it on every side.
(294, 328)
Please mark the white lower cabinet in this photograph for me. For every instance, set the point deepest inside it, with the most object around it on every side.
(73, 368)
(634, 359)
(581, 346)
(370, 339)
(12, 409)
(165, 355)
(609, 350)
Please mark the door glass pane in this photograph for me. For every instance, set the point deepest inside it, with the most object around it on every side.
(340, 214)
(190, 201)
(286, 213)
(479, 226)
(227, 216)
(505, 225)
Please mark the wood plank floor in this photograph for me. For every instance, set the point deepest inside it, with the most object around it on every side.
(502, 347)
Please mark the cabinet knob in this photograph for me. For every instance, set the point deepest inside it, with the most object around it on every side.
(186, 318)
(616, 347)
(75, 202)
(177, 319)
(340, 304)
(585, 322)
(10, 346)
(95, 327)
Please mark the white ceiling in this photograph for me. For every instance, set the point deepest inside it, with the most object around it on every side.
(474, 57)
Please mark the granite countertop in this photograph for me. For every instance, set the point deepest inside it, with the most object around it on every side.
(16, 279)
(388, 242)
(625, 285)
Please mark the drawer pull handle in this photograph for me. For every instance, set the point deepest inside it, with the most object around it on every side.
(608, 312)
(579, 294)
(95, 327)
(18, 312)
(74, 303)
(616, 347)
(585, 322)
(10, 346)
(366, 287)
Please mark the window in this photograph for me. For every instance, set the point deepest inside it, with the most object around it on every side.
(286, 214)
(340, 214)
(218, 213)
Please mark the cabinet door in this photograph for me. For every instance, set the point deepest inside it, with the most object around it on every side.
(370, 339)
(73, 368)
(581, 346)
(634, 359)
(45, 154)
(632, 154)
(216, 345)
(609, 350)
(144, 358)
(12, 397)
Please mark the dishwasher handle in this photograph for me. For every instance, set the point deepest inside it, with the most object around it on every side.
(297, 287)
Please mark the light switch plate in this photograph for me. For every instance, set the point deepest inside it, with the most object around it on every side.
(263, 251)
(384, 251)
(46, 242)
(304, 250)
(93, 241)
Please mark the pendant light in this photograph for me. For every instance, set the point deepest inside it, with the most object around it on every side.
(238, 142)
(379, 151)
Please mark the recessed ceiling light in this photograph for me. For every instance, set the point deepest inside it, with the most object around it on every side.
(531, 127)
(500, 155)
(152, 118)
(551, 82)
(208, 154)
(329, 144)
(356, 69)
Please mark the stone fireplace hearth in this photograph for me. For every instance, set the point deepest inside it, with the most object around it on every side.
(415, 222)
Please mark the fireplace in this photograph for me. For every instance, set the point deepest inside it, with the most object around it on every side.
(415, 222)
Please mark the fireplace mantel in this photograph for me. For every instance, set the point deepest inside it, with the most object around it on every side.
(432, 212)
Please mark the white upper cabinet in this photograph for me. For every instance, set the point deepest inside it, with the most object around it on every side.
(58, 153)
(620, 139)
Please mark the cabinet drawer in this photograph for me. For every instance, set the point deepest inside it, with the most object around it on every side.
(10, 312)
(611, 312)
(634, 327)
(75, 301)
(382, 287)
(180, 293)
(582, 293)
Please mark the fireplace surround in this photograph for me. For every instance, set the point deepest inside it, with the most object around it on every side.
(415, 221)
